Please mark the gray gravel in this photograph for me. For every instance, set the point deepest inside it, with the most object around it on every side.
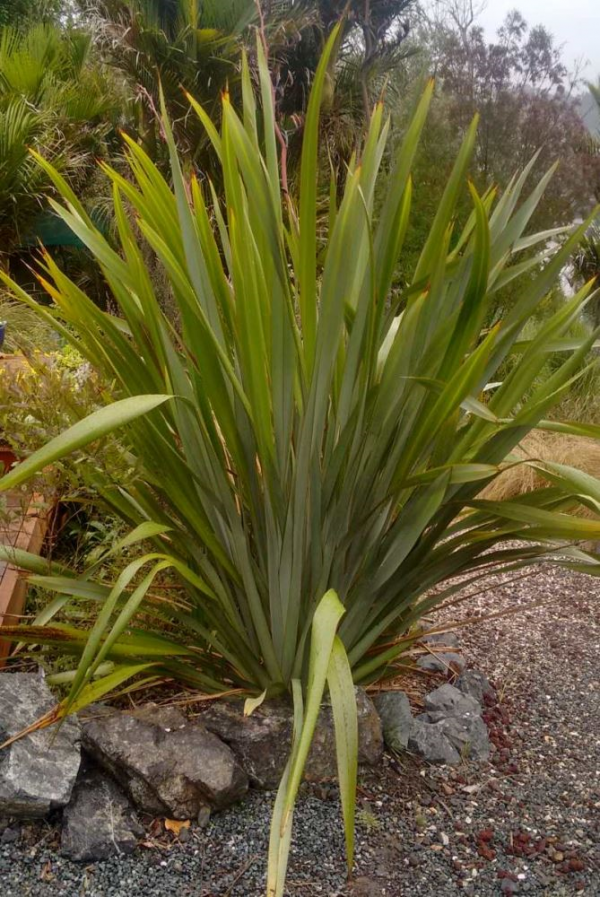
(526, 822)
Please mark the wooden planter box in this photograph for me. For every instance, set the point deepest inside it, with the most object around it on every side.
(26, 532)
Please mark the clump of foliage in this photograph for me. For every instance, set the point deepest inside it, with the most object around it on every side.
(198, 46)
(172, 46)
(52, 96)
(19, 13)
(308, 452)
(46, 392)
(36, 400)
(24, 330)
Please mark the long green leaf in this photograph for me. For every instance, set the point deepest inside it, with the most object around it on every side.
(343, 704)
(307, 272)
(95, 426)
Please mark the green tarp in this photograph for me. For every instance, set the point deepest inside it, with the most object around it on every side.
(50, 230)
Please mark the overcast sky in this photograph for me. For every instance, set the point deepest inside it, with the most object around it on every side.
(574, 23)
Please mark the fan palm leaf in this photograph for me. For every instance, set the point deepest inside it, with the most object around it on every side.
(52, 97)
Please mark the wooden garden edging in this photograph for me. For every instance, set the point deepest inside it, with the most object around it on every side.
(25, 530)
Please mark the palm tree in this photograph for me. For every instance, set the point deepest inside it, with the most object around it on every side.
(196, 45)
(53, 97)
(371, 46)
(173, 45)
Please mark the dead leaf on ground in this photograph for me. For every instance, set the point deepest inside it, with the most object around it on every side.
(175, 826)
(47, 874)
(471, 789)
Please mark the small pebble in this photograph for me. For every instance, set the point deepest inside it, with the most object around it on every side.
(509, 887)
(203, 817)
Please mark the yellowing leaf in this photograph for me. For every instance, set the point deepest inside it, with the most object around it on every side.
(251, 704)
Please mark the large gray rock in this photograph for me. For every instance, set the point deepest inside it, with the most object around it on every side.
(322, 762)
(450, 701)
(262, 741)
(38, 772)
(167, 764)
(451, 729)
(428, 741)
(468, 733)
(442, 663)
(99, 822)
(475, 684)
(396, 718)
(449, 739)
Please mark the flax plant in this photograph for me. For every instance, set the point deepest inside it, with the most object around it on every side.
(310, 444)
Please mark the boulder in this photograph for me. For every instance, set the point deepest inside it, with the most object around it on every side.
(99, 822)
(468, 733)
(439, 738)
(262, 741)
(428, 741)
(451, 729)
(38, 772)
(449, 700)
(396, 718)
(475, 684)
(322, 762)
(167, 764)
(449, 739)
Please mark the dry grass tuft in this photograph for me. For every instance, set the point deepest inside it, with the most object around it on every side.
(539, 445)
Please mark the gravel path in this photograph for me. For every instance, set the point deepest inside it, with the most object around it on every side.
(527, 822)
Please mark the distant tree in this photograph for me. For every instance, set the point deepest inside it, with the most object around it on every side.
(519, 85)
(21, 13)
(373, 44)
